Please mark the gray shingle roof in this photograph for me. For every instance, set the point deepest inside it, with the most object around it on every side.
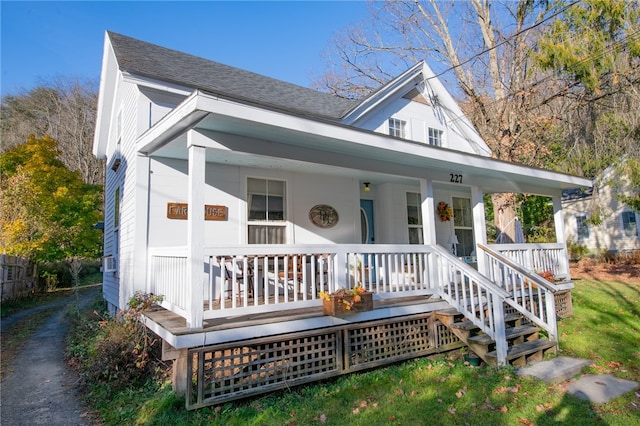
(150, 60)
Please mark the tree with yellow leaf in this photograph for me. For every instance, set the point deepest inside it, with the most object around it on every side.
(47, 213)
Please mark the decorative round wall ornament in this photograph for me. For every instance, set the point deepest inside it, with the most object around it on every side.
(323, 216)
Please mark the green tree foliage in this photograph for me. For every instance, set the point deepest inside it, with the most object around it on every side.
(594, 47)
(628, 189)
(47, 213)
(536, 214)
(595, 42)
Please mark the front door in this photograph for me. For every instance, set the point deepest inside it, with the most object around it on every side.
(368, 236)
(366, 221)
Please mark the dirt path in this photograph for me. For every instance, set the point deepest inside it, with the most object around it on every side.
(39, 388)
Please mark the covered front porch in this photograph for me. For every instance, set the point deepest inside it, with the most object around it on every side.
(304, 206)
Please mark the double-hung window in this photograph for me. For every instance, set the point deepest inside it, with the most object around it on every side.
(267, 215)
(582, 227)
(463, 225)
(435, 137)
(629, 224)
(414, 218)
(397, 128)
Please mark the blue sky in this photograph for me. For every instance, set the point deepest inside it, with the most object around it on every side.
(285, 40)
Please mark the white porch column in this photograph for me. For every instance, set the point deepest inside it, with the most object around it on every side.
(428, 212)
(558, 221)
(195, 233)
(479, 225)
(429, 226)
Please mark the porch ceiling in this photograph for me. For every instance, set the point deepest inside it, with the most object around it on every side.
(248, 136)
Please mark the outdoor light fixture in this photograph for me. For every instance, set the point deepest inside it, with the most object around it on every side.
(366, 187)
(453, 240)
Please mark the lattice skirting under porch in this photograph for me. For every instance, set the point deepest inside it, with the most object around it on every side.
(236, 370)
(564, 304)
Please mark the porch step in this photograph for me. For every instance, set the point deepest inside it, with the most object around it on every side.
(511, 333)
(468, 325)
(524, 345)
(524, 349)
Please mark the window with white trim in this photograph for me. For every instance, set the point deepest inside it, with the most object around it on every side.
(397, 128)
(463, 225)
(435, 137)
(629, 224)
(582, 227)
(414, 218)
(267, 214)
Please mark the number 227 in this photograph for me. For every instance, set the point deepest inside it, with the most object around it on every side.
(455, 178)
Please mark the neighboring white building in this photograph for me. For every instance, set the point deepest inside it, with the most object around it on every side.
(619, 227)
(304, 191)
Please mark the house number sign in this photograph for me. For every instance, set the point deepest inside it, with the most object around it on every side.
(455, 178)
(181, 211)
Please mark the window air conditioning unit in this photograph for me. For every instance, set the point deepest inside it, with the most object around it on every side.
(109, 264)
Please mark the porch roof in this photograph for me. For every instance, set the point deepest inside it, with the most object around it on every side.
(248, 135)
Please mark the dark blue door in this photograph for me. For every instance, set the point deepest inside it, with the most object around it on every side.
(366, 221)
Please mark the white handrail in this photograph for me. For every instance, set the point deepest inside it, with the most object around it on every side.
(472, 295)
(530, 294)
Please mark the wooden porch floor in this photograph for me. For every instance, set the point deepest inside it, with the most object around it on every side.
(177, 326)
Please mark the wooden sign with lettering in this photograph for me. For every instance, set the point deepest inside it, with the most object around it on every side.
(181, 211)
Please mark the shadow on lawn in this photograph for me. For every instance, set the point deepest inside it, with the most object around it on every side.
(618, 299)
(570, 411)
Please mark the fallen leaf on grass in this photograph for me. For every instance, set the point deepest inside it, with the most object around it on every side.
(512, 389)
(461, 392)
(452, 410)
(356, 411)
(526, 422)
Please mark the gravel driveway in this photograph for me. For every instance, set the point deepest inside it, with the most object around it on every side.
(38, 388)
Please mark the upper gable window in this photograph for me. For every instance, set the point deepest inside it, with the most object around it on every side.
(397, 128)
(435, 137)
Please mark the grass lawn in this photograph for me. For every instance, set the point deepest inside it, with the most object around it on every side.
(605, 328)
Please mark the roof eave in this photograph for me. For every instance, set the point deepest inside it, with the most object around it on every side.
(200, 104)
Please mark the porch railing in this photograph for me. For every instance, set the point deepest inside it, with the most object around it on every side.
(537, 257)
(253, 279)
(529, 294)
(249, 279)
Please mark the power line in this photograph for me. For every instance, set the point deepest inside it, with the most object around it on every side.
(489, 49)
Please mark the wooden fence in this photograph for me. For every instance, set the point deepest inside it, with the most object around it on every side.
(18, 277)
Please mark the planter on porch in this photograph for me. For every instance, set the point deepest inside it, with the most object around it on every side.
(335, 304)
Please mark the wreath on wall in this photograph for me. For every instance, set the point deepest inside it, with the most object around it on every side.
(444, 211)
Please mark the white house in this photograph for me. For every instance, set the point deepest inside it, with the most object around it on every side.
(618, 227)
(297, 191)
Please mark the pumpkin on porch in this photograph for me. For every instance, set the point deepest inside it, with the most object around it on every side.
(346, 301)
